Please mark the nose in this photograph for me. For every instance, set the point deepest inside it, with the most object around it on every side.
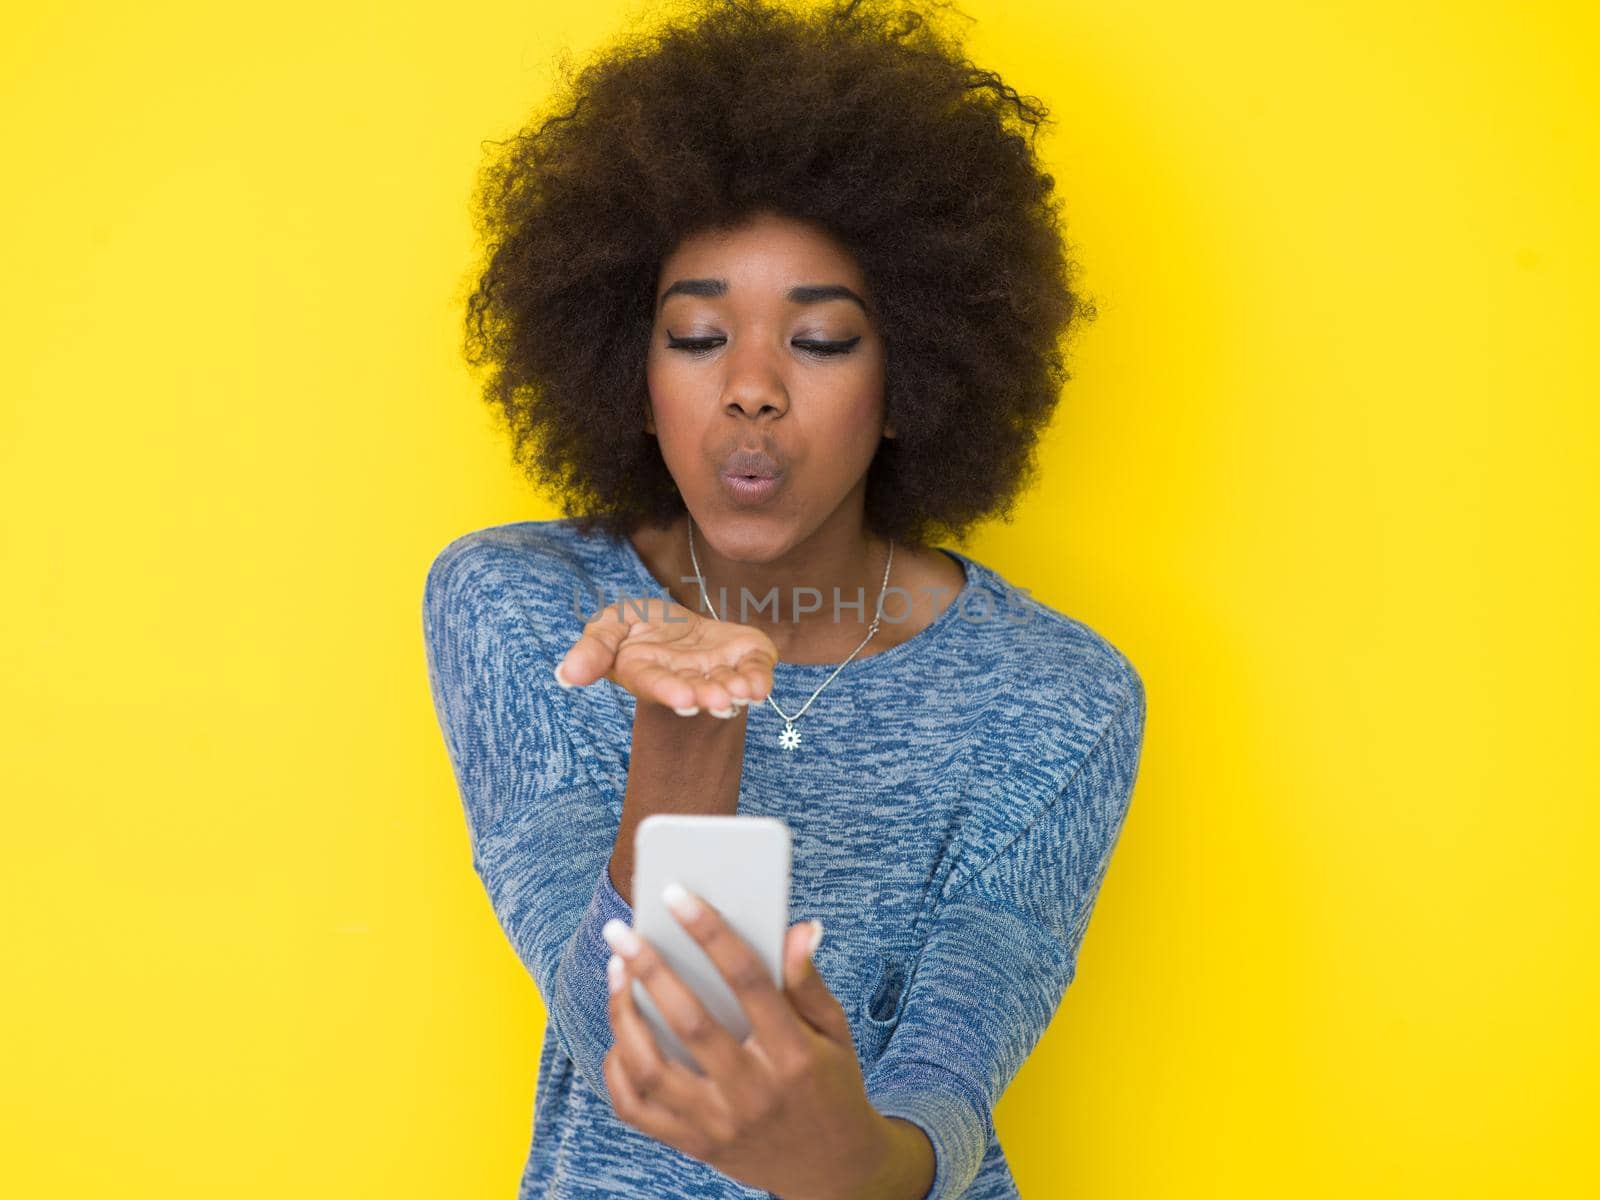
(754, 387)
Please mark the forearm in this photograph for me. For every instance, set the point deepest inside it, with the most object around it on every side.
(676, 765)
(899, 1166)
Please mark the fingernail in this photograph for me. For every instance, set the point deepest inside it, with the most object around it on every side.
(620, 938)
(816, 938)
(559, 679)
(613, 973)
(723, 712)
(687, 712)
(680, 901)
(742, 701)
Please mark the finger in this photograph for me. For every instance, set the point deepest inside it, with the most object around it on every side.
(592, 654)
(735, 684)
(710, 696)
(660, 1080)
(641, 1113)
(807, 991)
(661, 683)
(772, 1018)
(714, 693)
(753, 1048)
(756, 667)
(716, 1050)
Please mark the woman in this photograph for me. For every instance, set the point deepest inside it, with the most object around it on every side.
(775, 303)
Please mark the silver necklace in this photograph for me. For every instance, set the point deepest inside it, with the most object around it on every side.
(789, 736)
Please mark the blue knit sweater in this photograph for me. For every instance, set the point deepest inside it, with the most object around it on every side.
(953, 807)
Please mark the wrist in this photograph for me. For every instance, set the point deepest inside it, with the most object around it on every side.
(900, 1167)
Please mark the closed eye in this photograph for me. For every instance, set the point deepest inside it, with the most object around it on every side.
(705, 345)
(826, 348)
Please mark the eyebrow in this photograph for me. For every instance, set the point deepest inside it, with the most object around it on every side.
(801, 294)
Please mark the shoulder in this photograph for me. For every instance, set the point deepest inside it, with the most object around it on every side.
(542, 573)
(1063, 718)
(1080, 669)
(1074, 678)
(519, 552)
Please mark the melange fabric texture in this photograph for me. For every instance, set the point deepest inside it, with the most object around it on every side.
(953, 805)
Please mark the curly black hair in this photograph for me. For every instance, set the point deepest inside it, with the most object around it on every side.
(863, 118)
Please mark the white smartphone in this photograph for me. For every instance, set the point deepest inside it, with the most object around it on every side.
(740, 866)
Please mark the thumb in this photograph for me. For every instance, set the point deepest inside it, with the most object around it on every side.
(592, 655)
(805, 987)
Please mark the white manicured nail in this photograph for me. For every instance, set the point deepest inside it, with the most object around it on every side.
(687, 712)
(613, 973)
(816, 938)
(680, 901)
(560, 680)
(723, 712)
(620, 938)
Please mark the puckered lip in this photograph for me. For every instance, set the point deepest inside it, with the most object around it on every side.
(755, 463)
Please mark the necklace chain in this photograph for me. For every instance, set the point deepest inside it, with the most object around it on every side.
(789, 738)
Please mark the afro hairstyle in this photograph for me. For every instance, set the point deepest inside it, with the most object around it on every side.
(860, 117)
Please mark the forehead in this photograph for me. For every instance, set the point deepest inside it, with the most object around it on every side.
(766, 253)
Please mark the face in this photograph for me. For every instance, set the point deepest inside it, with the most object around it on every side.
(763, 342)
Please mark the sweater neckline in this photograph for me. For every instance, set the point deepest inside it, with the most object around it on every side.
(904, 651)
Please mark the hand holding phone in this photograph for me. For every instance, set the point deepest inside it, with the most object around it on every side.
(740, 865)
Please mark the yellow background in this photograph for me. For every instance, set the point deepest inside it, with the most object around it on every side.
(1326, 474)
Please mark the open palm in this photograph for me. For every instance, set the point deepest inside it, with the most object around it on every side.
(671, 655)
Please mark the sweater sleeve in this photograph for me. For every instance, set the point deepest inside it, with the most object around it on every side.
(540, 832)
(1001, 953)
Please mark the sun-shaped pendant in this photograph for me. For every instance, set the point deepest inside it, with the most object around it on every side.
(789, 736)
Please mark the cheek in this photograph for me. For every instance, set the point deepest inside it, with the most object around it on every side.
(669, 388)
(858, 414)
(677, 417)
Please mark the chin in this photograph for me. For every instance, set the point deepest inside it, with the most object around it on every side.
(746, 536)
